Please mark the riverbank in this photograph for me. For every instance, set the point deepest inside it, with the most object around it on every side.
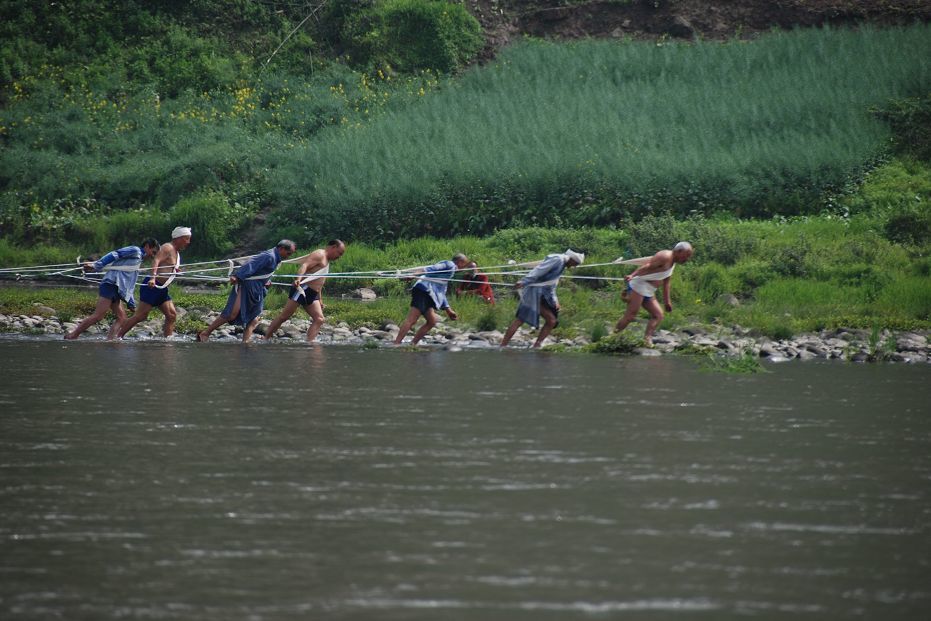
(846, 344)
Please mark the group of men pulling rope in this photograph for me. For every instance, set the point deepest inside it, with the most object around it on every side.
(251, 281)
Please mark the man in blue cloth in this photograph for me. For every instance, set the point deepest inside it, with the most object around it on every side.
(247, 299)
(153, 292)
(121, 269)
(538, 295)
(428, 295)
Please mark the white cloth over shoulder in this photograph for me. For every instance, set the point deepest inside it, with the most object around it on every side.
(643, 284)
(323, 271)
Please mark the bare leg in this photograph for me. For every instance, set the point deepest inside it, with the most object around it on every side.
(406, 325)
(426, 327)
(634, 301)
(247, 332)
(315, 311)
(510, 333)
(171, 317)
(141, 314)
(103, 305)
(656, 316)
(120, 312)
(203, 335)
(549, 322)
(289, 308)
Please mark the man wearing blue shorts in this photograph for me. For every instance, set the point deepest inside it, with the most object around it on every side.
(308, 287)
(428, 295)
(121, 269)
(154, 290)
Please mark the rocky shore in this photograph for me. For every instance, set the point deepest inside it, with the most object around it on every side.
(856, 345)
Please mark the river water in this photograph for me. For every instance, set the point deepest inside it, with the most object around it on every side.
(267, 482)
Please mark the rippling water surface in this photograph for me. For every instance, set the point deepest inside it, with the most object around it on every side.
(177, 481)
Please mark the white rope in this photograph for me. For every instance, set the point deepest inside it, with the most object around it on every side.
(193, 272)
(171, 278)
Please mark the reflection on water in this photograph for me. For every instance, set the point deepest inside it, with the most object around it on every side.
(178, 481)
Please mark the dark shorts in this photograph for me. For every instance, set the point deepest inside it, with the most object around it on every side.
(153, 296)
(645, 298)
(111, 292)
(310, 295)
(422, 301)
(544, 304)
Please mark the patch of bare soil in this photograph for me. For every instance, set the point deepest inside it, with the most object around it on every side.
(506, 20)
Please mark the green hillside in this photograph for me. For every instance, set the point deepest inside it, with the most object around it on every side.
(258, 119)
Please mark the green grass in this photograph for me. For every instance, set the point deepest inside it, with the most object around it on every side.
(745, 363)
(594, 131)
(789, 275)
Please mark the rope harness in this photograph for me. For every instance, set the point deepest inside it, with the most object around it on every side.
(207, 272)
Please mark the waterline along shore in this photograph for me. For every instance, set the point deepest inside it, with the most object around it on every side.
(845, 344)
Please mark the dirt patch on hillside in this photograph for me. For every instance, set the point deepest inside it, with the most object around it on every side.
(506, 20)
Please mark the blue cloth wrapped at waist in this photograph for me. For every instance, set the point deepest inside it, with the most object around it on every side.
(540, 285)
(251, 292)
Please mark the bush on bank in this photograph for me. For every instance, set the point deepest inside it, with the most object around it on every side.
(409, 35)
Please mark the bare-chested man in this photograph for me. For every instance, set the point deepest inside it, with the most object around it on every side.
(153, 292)
(306, 290)
(641, 287)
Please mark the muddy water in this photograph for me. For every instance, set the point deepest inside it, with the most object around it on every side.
(177, 481)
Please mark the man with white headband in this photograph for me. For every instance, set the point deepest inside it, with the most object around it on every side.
(538, 295)
(643, 282)
(153, 293)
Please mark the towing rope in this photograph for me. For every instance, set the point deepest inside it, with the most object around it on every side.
(206, 272)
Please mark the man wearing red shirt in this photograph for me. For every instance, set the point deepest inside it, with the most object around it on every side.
(478, 284)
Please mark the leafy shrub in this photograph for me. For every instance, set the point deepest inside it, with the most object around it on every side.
(712, 280)
(532, 242)
(911, 121)
(752, 273)
(212, 220)
(897, 184)
(409, 35)
(724, 243)
(620, 343)
(654, 233)
(909, 226)
(793, 260)
(488, 321)
(745, 362)
(120, 229)
(599, 331)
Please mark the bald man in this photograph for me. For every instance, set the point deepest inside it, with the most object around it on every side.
(643, 282)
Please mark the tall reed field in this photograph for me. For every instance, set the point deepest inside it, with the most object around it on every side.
(593, 132)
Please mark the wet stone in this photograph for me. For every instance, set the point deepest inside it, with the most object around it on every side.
(648, 352)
